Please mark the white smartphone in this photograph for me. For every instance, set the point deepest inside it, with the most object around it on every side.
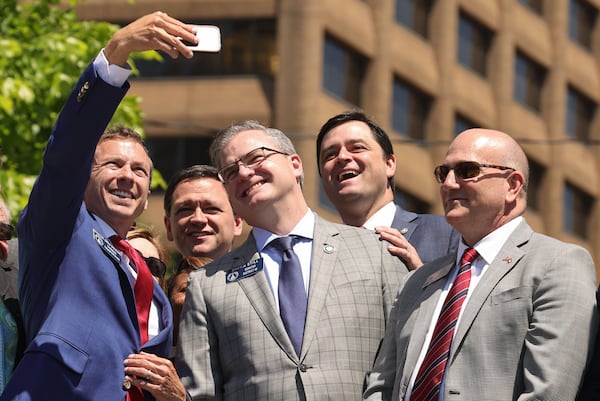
(209, 39)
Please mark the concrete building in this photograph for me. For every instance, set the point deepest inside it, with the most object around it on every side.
(423, 69)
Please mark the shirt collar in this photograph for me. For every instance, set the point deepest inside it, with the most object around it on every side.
(305, 229)
(382, 217)
(489, 246)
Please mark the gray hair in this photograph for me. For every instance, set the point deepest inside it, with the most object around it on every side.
(223, 137)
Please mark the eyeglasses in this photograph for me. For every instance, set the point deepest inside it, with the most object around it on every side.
(251, 160)
(6, 231)
(464, 170)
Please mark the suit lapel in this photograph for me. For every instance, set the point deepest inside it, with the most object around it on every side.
(325, 249)
(432, 287)
(404, 222)
(505, 261)
(258, 292)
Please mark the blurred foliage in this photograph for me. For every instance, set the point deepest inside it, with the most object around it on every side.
(43, 50)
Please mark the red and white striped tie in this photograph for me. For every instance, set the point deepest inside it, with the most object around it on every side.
(429, 379)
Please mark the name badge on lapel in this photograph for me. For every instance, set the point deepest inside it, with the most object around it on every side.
(243, 271)
(107, 246)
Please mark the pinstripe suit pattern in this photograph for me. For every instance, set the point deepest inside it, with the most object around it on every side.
(525, 333)
(233, 345)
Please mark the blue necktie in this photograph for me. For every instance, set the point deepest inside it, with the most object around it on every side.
(292, 297)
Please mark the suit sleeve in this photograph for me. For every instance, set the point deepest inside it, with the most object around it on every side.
(58, 193)
(197, 361)
(562, 327)
(380, 382)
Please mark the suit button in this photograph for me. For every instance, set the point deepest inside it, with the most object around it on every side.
(303, 367)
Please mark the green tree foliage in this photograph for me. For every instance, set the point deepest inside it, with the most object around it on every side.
(43, 50)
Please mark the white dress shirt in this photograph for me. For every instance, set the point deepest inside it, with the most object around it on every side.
(382, 217)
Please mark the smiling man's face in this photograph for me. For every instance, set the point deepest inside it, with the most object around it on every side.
(119, 184)
(353, 165)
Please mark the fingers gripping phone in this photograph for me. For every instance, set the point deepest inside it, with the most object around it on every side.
(209, 39)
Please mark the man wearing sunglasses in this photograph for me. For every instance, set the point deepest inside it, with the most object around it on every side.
(510, 315)
(357, 165)
(272, 322)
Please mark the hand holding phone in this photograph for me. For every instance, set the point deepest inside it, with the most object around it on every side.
(209, 39)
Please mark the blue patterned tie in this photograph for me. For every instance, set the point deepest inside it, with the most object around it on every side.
(292, 297)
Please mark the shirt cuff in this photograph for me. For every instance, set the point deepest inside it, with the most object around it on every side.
(110, 73)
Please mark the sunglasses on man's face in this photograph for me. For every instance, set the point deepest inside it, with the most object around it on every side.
(157, 267)
(6, 231)
(464, 170)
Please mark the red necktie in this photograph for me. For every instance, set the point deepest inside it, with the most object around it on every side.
(143, 287)
(142, 290)
(429, 379)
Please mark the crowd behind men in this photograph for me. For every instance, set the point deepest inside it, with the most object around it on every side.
(475, 307)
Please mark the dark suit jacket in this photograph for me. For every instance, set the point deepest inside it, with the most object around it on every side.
(590, 389)
(77, 300)
(430, 234)
(232, 342)
(8, 291)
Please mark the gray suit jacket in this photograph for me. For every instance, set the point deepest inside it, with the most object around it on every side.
(233, 345)
(525, 333)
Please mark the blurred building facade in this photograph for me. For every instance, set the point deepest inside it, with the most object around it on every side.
(424, 69)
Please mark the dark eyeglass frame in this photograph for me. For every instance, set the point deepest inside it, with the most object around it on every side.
(251, 160)
(464, 170)
(6, 231)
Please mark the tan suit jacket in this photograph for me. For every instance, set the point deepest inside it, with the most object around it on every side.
(524, 334)
(233, 345)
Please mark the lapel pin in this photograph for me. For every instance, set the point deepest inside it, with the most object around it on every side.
(507, 260)
(328, 248)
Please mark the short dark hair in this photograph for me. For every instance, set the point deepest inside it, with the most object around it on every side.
(379, 134)
(189, 173)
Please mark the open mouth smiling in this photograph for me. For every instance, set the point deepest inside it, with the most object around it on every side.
(122, 194)
(345, 175)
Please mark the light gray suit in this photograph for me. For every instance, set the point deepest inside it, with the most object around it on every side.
(233, 345)
(525, 332)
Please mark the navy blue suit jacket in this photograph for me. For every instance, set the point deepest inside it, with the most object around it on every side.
(430, 234)
(77, 299)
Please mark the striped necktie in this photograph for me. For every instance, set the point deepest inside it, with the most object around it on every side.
(429, 379)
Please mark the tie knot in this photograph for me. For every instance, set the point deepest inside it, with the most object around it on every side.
(468, 256)
(283, 243)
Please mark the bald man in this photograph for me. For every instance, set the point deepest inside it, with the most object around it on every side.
(526, 310)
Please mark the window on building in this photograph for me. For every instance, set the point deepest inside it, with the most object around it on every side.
(410, 202)
(170, 154)
(580, 113)
(248, 47)
(529, 82)
(536, 176)
(462, 123)
(343, 71)
(410, 110)
(414, 14)
(536, 6)
(577, 208)
(582, 20)
(474, 41)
